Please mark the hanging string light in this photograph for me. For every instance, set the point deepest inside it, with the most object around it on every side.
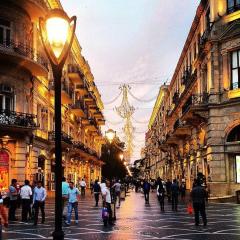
(113, 100)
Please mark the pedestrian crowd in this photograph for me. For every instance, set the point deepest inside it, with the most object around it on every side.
(175, 190)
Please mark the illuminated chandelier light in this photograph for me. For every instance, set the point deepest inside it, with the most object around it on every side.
(125, 111)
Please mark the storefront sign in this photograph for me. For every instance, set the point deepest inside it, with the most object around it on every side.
(4, 170)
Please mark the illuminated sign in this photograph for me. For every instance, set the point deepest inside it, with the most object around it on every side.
(238, 168)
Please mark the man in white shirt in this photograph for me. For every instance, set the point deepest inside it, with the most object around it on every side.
(83, 187)
(107, 201)
(117, 190)
(39, 198)
(25, 194)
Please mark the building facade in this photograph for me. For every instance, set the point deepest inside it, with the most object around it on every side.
(197, 127)
(27, 103)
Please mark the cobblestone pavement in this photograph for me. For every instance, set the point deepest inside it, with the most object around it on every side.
(135, 220)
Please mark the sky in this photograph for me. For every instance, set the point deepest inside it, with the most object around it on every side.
(137, 42)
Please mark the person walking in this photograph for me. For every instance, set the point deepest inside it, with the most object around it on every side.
(39, 198)
(183, 190)
(3, 216)
(25, 194)
(117, 190)
(13, 200)
(198, 196)
(168, 190)
(96, 192)
(83, 187)
(73, 197)
(107, 201)
(160, 193)
(174, 193)
(65, 187)
(146, 190)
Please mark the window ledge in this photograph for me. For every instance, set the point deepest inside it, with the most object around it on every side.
(231, 17)
(234, 93)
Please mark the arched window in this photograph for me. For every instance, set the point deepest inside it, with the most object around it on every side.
(234, 135)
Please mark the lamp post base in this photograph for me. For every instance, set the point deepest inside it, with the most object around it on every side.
(58, 235)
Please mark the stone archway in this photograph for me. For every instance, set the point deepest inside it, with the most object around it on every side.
(234, 134)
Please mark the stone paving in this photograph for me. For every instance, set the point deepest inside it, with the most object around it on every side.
(137, 221)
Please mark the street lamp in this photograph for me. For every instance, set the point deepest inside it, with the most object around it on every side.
(57, 34)
(121, 156)
(110, 135)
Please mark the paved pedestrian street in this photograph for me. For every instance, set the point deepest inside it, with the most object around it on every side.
(135, 220)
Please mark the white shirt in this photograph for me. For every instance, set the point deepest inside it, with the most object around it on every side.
(83, 184)
(107, 194)
(26, 192)
(40, 194)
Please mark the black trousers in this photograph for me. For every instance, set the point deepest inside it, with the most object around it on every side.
(96, 195)
(12, 210)
(200, 208)
(174, 202)
(37, 205)
(110, 219)
(26, 209)
(161, 201)
(146, 195)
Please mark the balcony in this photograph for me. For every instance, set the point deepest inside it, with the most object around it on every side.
(175, 98)
(25, 57)
(78, 109)
(189, 78)
(34, 8)
(82, 90)
(65, 137)
(195, 108)
(75, 74)
(85, 151)
(181, 129)
(11, 120)
(67, 93)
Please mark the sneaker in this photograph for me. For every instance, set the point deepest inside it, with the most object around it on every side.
(67, 224)
(76, 221)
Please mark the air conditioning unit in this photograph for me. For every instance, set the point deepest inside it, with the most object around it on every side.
(6, 88)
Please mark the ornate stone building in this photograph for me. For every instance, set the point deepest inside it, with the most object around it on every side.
(197, 126)
(26, 103)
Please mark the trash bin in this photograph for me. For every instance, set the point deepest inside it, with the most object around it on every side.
(238, 196)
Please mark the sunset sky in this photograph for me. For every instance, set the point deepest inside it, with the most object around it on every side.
(131, 41)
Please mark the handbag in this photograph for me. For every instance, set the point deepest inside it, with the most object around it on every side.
(105, 213)
(190, 209)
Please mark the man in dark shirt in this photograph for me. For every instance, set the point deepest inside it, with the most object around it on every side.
(198, 195)
(168, 188)
(175, 192)
(146, 190)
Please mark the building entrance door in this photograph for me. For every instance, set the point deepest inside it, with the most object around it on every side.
(4, 170)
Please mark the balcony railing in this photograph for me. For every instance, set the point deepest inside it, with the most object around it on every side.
(81, 146)
(195, 100)
(12, 118)
(68, 89)
(65, 137)
(24, 51)
(206, 34)
(175, 98)
(74, 68)
(189, 77)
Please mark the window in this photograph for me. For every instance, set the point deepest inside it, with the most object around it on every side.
(6, 102)
(233, 5)
(5, 32)
(235, 70)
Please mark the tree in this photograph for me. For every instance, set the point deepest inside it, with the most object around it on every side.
(113, 167)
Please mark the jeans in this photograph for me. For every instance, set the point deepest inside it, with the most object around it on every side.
(72, 206)
(12, 210)
(118, 196)
(96, 195)
(83, 191)
(146, 195)
(200, 207)
(110, 219)
(26, 209)
(64, 205)
(174, 202)
(37, 205)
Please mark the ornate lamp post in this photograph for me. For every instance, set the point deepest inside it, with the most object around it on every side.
(121, 156)
(57, 33)
(110, 135)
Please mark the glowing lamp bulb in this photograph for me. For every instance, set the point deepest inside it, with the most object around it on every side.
(57, 30)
